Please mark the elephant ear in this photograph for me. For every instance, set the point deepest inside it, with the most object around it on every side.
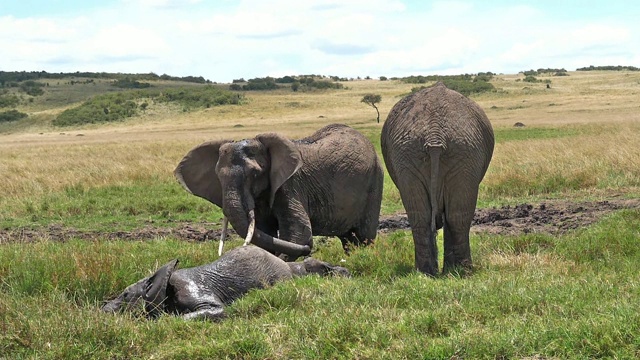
(285, 160)
(156, 289)
(197, 171)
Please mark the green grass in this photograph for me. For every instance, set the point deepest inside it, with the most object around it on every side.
(573, 296)
(504, 134)
(114, 207)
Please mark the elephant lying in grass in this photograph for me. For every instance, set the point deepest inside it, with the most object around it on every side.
(202, 292)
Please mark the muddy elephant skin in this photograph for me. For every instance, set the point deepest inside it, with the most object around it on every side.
(202, 292)
(327, 184)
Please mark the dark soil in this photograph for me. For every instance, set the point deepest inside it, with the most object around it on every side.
(552, 217)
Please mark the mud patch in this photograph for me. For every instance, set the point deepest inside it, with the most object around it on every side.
(551, 217)
(186, 232)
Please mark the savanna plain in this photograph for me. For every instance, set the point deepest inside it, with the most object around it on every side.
(568, 292)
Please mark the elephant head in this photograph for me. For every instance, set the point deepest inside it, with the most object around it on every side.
(150, 292)
(238, 176)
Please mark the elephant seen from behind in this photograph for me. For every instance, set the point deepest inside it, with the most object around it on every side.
(278, 192)
(437, 145)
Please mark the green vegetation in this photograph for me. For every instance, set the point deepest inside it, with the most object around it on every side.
(466, 84)
(101, 109)
(531, 296)
(18, 76)
(609, 68)
(11, 115)
(372, 100)
(32, 88)
(556, 72)
(530, 133)
(128, 83)
(121, 105)
(109, 208)
(8, 100)
(200, 97)
(302, 83)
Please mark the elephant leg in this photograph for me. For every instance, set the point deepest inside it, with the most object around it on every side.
(460, 205)
(348, 240)
(416, 201)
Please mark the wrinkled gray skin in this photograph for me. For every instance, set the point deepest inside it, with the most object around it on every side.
(437, 145)
(329, 184)
(202, 292)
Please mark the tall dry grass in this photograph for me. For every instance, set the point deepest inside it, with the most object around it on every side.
(602, 105)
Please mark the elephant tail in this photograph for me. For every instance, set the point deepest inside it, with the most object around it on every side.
(434, 153)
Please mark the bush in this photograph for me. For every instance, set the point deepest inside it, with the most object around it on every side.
(128, 83)
(610, 68)
(10, 100)
(32, 88)
(531, 79)
(201, 97)
(11, 115)
(267, 83)
(464, 87)
(100, 109)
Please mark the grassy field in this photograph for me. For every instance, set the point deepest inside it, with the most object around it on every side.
(530, 295)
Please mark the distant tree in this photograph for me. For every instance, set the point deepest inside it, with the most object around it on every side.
(383, 78)
(372, 100)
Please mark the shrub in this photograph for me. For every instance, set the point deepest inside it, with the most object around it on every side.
(201, 97)
(32, 88)
(267, 83)
(11, 115)
(531, 79)
(10, 100)
(128, 83)
(610, 68)
(100, 109)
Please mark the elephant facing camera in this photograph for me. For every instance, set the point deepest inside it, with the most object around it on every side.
(278, 193)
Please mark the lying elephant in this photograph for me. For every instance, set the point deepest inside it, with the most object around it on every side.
(202, 292)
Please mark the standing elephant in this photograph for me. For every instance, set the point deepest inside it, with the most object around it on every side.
(437, 145)
(272, 188)
(202, 292)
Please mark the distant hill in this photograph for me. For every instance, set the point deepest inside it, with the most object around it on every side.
(18, 76)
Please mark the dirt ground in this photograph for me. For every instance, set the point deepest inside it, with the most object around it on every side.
(551, 217)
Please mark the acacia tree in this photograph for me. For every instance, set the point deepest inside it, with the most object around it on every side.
(372, 100)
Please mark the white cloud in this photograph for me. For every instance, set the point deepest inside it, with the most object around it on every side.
(250, 38)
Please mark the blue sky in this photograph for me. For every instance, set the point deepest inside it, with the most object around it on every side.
(229, 39)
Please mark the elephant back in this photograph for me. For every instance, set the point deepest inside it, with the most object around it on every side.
(439, 117)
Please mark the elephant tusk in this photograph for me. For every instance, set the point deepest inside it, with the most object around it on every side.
(225, 223)
(252, 227)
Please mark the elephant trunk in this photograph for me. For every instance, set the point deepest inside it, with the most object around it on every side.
(242, 216)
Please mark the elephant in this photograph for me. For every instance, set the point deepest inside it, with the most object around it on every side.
(278, 192)
(437, 145)
(202, 292)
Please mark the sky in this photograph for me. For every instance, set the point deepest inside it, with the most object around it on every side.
(223, 40)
